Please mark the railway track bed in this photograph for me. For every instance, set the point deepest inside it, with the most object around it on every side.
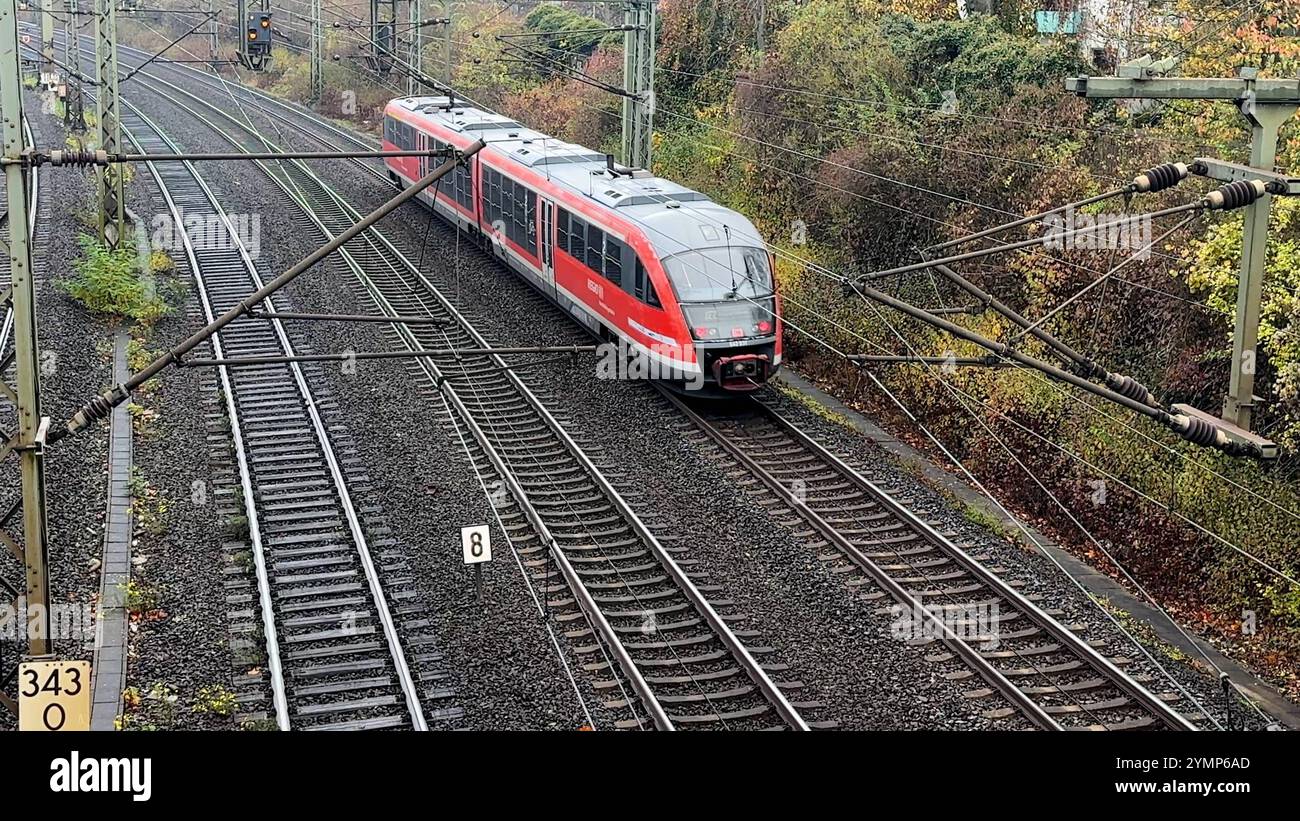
(1014, 653)
(335, 618)
(670, 657)
(1116, 704)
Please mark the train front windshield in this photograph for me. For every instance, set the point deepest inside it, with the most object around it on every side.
(726, 293)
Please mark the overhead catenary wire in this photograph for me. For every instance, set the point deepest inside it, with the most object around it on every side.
(936, 108)
(1135, 283)
(549, 628)
(516, 432)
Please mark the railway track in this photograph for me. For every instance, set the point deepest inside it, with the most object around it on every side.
(665, 654)
(336, 659)
(1039, 669)
(1043, 674)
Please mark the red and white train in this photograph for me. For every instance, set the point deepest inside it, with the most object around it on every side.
(685, 282)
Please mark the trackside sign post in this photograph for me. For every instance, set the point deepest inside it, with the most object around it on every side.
(476, 546)
(54, 695)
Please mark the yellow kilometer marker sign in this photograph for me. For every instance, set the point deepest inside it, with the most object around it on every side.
(54, 695)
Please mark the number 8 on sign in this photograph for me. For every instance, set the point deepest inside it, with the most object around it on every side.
(476, 544)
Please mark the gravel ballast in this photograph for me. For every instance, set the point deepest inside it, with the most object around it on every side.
(75, 353)
(840, 647)
(861, 676)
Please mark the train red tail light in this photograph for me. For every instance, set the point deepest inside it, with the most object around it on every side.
(764, 326)
(704, 332)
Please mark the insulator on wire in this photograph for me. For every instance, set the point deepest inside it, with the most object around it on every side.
(1236, 194)
(98, 408)
(1197, 431)
(78, 159)
(1160, 177)
(1130, 387)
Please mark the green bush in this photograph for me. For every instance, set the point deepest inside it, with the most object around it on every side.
(110, 282)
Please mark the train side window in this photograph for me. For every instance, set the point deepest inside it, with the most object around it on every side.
(464, 188)
(516, 212)
(519, 210)
(493, 214)
(502, 198)
(530, 218)
(614, 260)
(595, 249)
(577, 239)
(651, 296)
(562, 229)
(498, 197)
(446, 182)
(644, 287)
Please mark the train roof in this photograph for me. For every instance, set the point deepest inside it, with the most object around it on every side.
(677, 218)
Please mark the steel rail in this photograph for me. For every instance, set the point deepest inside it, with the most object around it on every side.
(1149, 701)
(405, 680)
(752, 668)
(279, 698)
(971, 655)
(588, 605)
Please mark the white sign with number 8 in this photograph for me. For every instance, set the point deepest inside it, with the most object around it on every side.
(476, 544)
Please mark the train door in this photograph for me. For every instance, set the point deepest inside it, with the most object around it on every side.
(548, 243)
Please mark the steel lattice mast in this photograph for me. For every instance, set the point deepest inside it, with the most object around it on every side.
(27, 441)
(638, 82)
(112, 210)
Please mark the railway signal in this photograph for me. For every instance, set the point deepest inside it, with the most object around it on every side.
(255, 48)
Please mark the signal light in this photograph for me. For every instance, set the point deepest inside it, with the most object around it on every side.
(252, 35)
(266, 22)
